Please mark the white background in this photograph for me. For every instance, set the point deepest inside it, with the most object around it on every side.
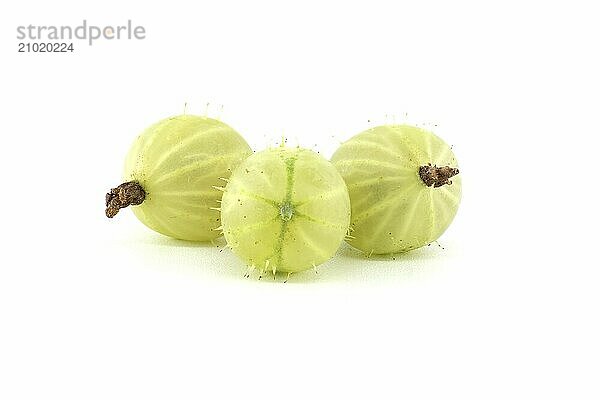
(92, 308)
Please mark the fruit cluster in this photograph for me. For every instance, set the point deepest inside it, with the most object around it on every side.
(387, 190)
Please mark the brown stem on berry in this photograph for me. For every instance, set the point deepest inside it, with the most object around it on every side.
(124, 195)
(435, 176)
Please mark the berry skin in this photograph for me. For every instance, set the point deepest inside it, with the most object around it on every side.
(403, 185)
(285, 209)
(170, 172)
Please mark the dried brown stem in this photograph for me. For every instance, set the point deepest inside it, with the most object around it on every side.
(124, 195)
(435, 176)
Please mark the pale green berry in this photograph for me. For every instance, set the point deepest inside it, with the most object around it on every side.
(285, 209)
(403, 185)
(170, 174)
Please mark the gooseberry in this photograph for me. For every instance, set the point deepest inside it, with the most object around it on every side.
(285, 209)
(403, 186)
(170, 172)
